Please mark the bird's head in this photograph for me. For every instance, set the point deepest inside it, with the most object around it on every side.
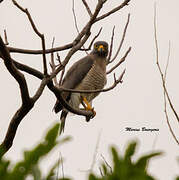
(100, 48)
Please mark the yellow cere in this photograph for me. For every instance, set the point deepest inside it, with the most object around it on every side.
(100, 47)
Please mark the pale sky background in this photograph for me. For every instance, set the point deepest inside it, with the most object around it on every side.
(136, 103)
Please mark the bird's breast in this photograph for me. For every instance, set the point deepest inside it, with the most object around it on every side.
(95, 79)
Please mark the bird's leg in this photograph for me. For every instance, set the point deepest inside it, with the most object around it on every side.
(88, 106)
(83, 104)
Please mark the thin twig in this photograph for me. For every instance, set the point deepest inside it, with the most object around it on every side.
(63, 71)
(95, 37)
(61, 160)
(87, 8)
(163, 81)
(61, 77)
(52, 63)
(162, 76)
(74, 16)
(111, 46)
(165, 99)
(37, 32)
(95, 152)
(120, 62)
(167, 118)
(168, 58)
(107, 164)
(101, 172)
(75, 20)
(5, 38)
(122, 40)
(154, 142)
(125, 3)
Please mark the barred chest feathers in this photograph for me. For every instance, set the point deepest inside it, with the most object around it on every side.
(95, 79)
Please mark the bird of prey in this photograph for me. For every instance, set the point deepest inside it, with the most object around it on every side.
(89, 73)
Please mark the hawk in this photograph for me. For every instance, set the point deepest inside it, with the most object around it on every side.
(89, 73)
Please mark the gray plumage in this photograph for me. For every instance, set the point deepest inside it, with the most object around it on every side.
(89, 73)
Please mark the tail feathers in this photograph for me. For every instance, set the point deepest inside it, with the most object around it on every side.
(63, 119)
(58, 107)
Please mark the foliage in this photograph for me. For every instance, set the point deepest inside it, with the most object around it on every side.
(123, 167)
(29, 165)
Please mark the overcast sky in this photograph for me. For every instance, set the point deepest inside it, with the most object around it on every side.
(136, 103)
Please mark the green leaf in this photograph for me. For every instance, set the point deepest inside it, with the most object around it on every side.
(92, 177)
(52, 133)
(31, 158)
(142, 162)
(51, 172)
(130, 151)
(116, 158)
(36, 173)
(4, 169)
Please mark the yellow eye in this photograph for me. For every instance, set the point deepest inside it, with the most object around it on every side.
(95, 46)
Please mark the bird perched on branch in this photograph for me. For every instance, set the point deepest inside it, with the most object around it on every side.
(89, 73)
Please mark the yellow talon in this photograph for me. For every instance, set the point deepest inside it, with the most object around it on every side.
(88, 106)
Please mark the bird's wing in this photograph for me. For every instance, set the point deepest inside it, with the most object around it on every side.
(77, 72)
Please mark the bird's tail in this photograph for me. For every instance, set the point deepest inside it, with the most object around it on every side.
(63, 119)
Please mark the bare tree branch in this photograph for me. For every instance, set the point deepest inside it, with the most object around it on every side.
(111, 46)
(37, 52)
(168, 59)
(107, 164)
(12, 129)
(95, 153)
(52, 63)
(19, 77)
(87, 8)
(165, 99)
(74, 16)
(75, 20)
(122, 40)
(163, 77)
(37, 32)
(125, 3)
(27, 102)
(28, 70)
(62, 72)
(120, 62)
(95, 37)
(5, 38)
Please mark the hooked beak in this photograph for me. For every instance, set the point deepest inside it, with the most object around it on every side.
(101, 48)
